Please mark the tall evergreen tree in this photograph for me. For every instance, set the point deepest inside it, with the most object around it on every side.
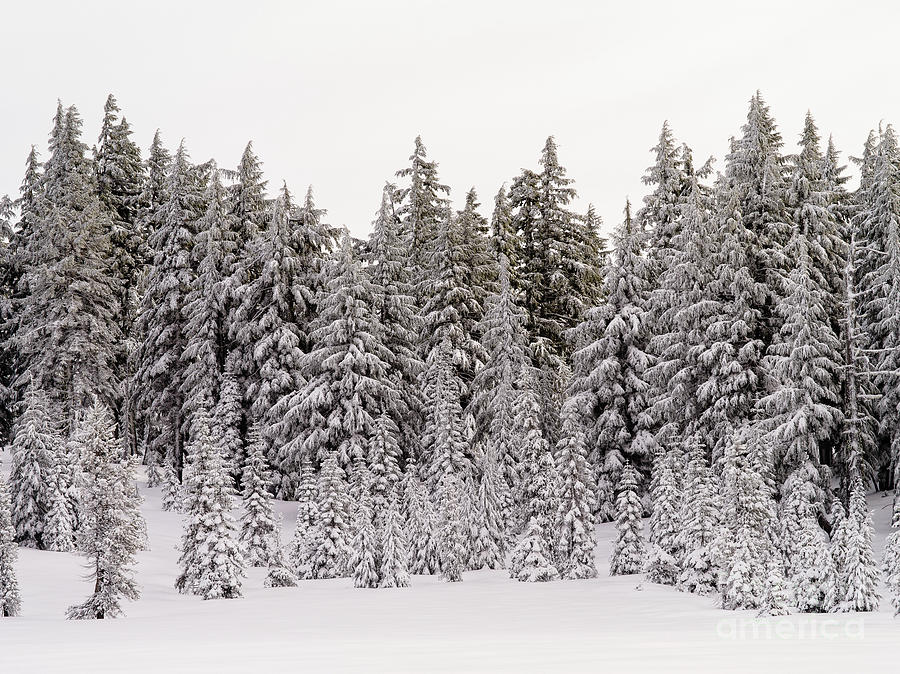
(211, 562)
(112, 529)
(628, 553)
(347, 375)
(609, 383)
(161, 372)
(34, 447)
(259, 527)
(575, 518)
(10, 601)
(423, 205)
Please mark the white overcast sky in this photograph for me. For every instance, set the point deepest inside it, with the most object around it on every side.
(333, 93)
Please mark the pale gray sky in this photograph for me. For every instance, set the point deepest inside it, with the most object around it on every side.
(333, 93)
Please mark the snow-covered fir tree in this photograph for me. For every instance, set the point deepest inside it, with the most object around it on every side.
(59, 527)
(421, 523)
(331, 540)
(160, 374)
(804, 359)
(749, 517)
(490, 535)
(812, 568)
(890, 563)
(204, 311)
(346, 374)
(303, 542)
(422, 206)
(859, 571)
(171, 488)
(575, 514)
(211, 563)
(451, 533)
(67, 336)
(664, 556)
(498, 388)
(393, 569)
(363, 563)
(387, 257)
(34, 447)
(112, 529)
(270, 321)
(609, 384)
(700, 519)
(10, 601)
(259, 527)
(444, 446)
(279, 573)
(534, 563)
(628, 552)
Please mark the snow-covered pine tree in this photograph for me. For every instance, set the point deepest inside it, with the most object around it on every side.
(755, 177)
(628, 552)
(661, 215)
(34, 447)
(423, 205)
(393, 568)
(306, 527)
(882, 284)
(450, 307)
(270, 323)
(229, 415)
(347, 374)
(748, 517)
(812, 568)
(59, 527)
(609, 369)
(858, 448)
(803, 359)
(120, 177)
(504, 238)
(364, 557)
(112, 530)
(558, 279)
(387, 257)
(451, 534)
(384, 462)
(250, 212)
(664, 556)
(534, 563)
(498, 388)
(211, 563)
(205, 313)
(575, 500)
(420, 520)
(329, 558)
(682, 307)
(68, 338)
(259, 528)
(10, 602)
(279, 573)
(778, 598)
(890, 564)
(538, 490)
(444, 445)
(161, 370)
(490, 536)
(700, 516)
(860, 570)
(479, 267)
(149, 217)
(172, 497)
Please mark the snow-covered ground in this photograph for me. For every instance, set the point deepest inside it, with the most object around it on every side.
(486, 623)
